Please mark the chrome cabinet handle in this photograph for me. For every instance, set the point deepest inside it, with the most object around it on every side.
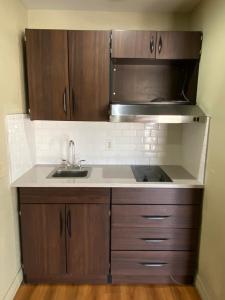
(68, 223)
(154, 240)
(61, 223)
(153, 265)
(64, 102)
(155, 217)
(160, 45)
(73, 101)
(152, 45)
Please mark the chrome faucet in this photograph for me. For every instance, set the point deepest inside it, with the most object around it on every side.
(70, 162)
(72, 158)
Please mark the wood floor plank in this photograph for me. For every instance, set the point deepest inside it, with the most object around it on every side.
(106, 292)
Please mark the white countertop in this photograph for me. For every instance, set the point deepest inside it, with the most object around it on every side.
(105, 176)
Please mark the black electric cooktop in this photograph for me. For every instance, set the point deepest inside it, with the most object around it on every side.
(150, 174)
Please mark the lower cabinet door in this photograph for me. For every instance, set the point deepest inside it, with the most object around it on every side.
(43, 241)
(88, 242)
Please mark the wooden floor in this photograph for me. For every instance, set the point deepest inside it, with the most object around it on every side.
(106, 292)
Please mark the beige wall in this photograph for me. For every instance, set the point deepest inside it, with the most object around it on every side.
(13, 19)
(59, 19)
(210, 17)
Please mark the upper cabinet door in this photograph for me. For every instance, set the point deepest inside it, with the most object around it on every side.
(88, 242)
(178, 45)
(47, 67)
(43, 241)
(89, 60)
(133, 44)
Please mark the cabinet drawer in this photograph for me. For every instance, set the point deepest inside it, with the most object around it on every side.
(64, 195)
(169, 216)
(149, 263)
(156, 196)
(154, 239)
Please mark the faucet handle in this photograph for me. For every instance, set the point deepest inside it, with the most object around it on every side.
(65, 162)
(79, 163)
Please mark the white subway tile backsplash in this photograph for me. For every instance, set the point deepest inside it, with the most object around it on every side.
(159, 133)
(129, 132)
(151, 140)
(147, 133)
(96, 142)
(151, 126)
(21, 144)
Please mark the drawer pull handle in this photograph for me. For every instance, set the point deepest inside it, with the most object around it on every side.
(154, 240)
(153, 265)
(155, 217)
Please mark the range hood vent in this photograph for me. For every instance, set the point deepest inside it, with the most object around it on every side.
(156, 113)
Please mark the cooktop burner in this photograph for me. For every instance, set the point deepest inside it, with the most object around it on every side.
(150, 174)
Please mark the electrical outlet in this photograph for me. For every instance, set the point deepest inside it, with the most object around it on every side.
(108, 145)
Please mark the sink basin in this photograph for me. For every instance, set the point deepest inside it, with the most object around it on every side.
(60, 172)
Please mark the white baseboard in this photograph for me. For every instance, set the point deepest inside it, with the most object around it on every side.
(201, 288)
(14, 286)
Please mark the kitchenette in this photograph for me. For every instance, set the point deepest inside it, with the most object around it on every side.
(109, 162)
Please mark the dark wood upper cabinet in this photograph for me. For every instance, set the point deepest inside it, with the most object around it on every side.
(68, 74)
(89, 61)
(69, 71)
(133, 44)
(88, 242)
(47, 72)
(159, 67)
(160, 45)
(43, 240)
(178, 45)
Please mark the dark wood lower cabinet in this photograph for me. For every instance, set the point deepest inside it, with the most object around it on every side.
(154, 235)
(88, 242)
(65, 243)
(43, 240)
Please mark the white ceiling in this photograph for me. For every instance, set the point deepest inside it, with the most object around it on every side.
(115, 5)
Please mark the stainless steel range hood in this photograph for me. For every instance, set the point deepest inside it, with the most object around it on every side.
(156, 113)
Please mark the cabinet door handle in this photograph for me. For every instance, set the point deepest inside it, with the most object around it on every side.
(152, 45)
(68, 223)
(61, 223)
(153, 265)
(160, 45)
(73, 101)
(64, 102)
(155, 217)
(154, 240)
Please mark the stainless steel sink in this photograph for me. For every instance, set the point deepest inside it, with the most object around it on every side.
(68, 172)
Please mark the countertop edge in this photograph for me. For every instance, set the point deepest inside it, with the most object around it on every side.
(110, 185)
